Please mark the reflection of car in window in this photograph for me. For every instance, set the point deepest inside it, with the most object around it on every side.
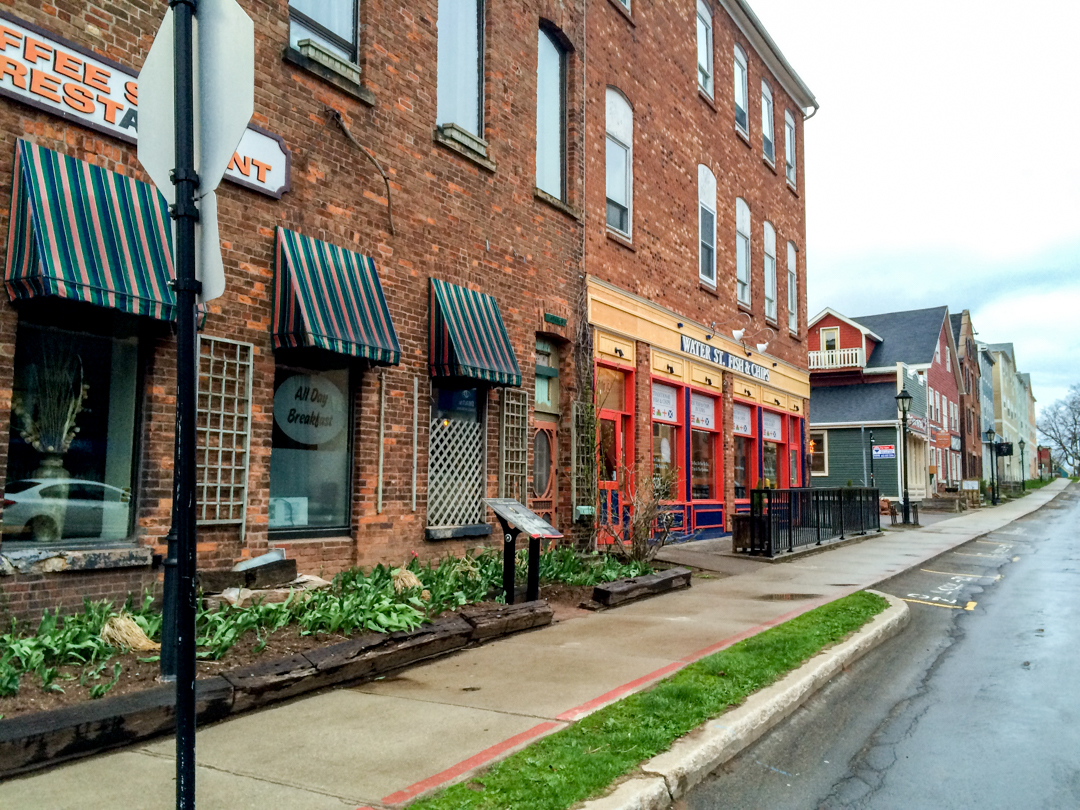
(47, 510)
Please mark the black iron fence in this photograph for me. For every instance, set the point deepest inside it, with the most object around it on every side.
(783, 520)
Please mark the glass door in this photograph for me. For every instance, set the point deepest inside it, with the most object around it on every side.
(545, 454)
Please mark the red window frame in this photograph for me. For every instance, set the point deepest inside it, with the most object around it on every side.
(782, 472)
(752, 456)
(717, 432)
(679, 458)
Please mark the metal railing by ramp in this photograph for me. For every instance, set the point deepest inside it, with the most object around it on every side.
(785, 520)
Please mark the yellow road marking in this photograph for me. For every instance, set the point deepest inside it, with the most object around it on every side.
(970, 576)
(991, 542)
(935, 604)
(970, 605)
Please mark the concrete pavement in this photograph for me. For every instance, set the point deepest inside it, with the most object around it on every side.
(384, 743)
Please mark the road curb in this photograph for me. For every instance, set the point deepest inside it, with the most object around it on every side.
(668, 776)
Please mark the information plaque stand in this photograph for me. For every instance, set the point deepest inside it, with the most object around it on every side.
(516, 519)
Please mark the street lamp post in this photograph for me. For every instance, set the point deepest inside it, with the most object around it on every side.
(1023, 469)
(871, 459)
(903, 402)
(990, 436)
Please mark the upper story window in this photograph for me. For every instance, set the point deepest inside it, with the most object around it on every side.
(619, 161)
(830, 339)
(770, 272)
(789, 146)
(742, 251)
(331, 26)
(767, 146)
(741, 117)
(937, 351)
(460, 94)
(706, 225)
(792, 288)
(704, 48)
(551, 116)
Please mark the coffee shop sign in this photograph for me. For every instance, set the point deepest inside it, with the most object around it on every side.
(721, 358)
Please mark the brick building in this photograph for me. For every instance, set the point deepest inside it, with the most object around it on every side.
(971, 433)
(695, 253)
(385, 353)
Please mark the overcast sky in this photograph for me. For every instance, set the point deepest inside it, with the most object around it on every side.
(944, 165)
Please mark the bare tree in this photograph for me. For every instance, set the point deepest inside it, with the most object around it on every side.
(1059, 425)
(649, 523)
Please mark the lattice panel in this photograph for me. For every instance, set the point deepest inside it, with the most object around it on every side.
(455, 473)
(583, 450)
(223, 430)
(514, 446)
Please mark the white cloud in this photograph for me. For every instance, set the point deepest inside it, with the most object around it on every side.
(942, 166)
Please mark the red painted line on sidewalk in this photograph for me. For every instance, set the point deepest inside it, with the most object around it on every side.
(608, 697)
(468, 764)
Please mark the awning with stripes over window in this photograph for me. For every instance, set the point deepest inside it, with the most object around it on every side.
(81, 232)
(330, 298)
(468, 337)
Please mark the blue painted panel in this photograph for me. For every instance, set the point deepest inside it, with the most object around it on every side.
(708, 518)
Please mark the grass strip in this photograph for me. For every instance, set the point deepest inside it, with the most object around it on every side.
(581, 761)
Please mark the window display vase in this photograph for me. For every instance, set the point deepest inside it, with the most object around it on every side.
(52, 466)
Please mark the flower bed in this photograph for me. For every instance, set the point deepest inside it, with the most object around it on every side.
(65, 660)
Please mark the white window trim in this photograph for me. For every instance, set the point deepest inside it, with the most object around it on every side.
(740, 60)
(824, 451)
(769, 262)
(791, 159)
(623, 135)
(793, 287)
(767, 105)
(704, 13)
(740, 204)
(821, 337)
(707, 200)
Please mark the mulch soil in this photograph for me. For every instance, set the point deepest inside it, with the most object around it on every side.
(137, 675)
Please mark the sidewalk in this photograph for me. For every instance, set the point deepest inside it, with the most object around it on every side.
(383, 743)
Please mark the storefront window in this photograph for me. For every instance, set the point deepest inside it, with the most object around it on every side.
(663, 448)
(818, 449)
(309, 457)
(742, 466)
(70, 449)
(793, 466)
(703, 446)
(769, 464)
(610, 389)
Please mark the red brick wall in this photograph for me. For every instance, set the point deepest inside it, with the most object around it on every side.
(652, 61)
(454, 220)
(942, 378)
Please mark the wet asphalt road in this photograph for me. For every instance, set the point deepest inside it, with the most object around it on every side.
(971, 706)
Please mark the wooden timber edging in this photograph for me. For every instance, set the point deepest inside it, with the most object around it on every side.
(34, 741)
(621, 591)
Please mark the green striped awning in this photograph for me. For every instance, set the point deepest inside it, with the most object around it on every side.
(468, 337)
(331, 298)
(81, 232)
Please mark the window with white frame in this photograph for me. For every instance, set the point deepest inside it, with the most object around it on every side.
(930, 403)
(770, 272)
(948, 356)
(706, 225)
(550, 115)
(330, 27)
(789, 146)
(742, 251)
(619, 161)
(818, 448)
(767, 145)
(742, 119)
(792, 288)
(459, 91)
(937, 350)
(704, 48)
(937, 407)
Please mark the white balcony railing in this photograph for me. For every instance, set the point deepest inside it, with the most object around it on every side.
(837, 358)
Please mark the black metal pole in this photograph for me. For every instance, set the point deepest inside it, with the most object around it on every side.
(903, 447)
(532, 586)
(509, 584)
(993, 474)
(1023, 472)
(186, 287)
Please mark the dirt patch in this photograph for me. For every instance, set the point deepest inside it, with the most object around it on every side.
(565, 600)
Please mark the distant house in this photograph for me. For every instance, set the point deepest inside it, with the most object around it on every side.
(857, 368)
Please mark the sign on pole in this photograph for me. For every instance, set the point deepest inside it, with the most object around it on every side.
(224, 75)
